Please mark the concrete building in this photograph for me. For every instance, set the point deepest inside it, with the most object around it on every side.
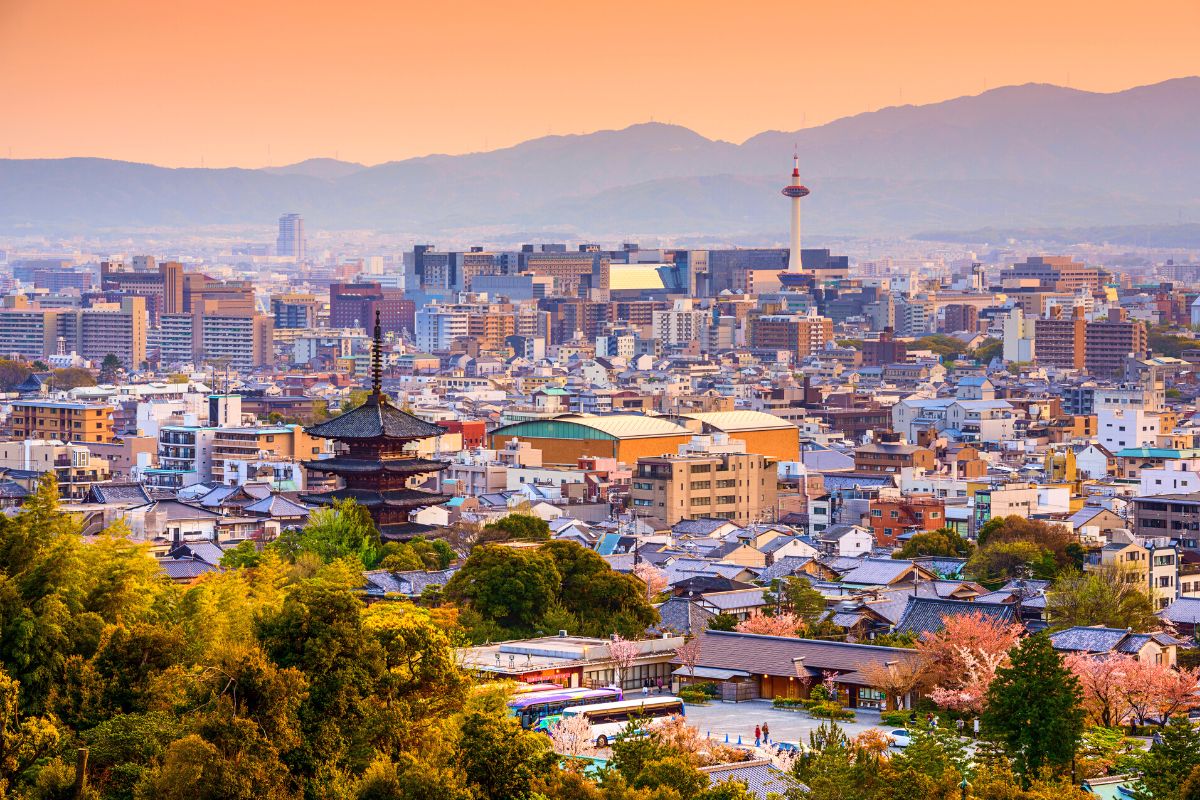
(1062, 338)
(295, 310)
(74, 465)
(290, 243)
(800, 335)
(65, 421)
(711, 476)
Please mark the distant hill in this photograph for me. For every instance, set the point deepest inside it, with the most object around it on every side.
(325, 168)
(1184, 236)
(1017, 157)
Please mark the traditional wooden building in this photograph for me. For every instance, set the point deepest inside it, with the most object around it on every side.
(372, 460)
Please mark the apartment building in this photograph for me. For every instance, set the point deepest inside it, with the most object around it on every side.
(892, 517)
(890, 455)
(63, 420)
(74, 465)
(800, 335)
(710, 477)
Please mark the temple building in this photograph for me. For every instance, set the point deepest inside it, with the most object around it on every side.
(372, 462)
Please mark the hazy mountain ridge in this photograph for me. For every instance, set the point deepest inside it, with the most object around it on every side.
(1013, 157)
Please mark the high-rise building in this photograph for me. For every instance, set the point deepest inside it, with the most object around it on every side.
(1111, 341)
(961, 317)
(1060, 340)
(290, 243)
(293, 310)
(353, 305)
(112, 329)
(1055, 273)
(800, 335)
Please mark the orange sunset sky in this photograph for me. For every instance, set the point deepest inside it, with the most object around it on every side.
(256, 82)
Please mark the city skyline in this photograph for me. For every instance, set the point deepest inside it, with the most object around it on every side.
(273, 84)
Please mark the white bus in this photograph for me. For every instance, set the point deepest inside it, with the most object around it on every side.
(609, 720)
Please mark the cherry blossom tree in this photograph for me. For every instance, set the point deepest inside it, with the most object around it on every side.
(623, 653)
(963, 658)
(654, 578)
(784, 624)
(1103, 681)
(895, 678)
(1157, 690)
(688, 654)
(572, 736)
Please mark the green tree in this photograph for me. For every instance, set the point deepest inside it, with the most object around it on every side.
(673, 772)
(722, 622)
(499, 759)
(1035, 708)
(344, 530)
(71, 378)
(1190, 790)
(1165, 768)
(520, 527)
(987, 350)
(1000, 561)
(1100, 597)
(795, 593)
(13, 373)
(245, 555)
(23, 741)
(944, 542)
(109, 368)
(511, 587)
(319, 632)
(604, 600)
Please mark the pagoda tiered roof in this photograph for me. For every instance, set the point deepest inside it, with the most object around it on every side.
(373, 499)
(374, 419)
(406, 466)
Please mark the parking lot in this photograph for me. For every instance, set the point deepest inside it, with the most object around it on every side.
(738, 719)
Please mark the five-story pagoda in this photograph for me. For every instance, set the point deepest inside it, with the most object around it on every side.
(373, 464)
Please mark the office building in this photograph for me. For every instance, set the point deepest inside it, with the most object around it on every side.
(1055, 273)
(353, 305)
(290, 243)
(1111, 341)
(294, 310)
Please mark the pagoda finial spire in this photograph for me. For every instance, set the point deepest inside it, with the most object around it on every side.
(377, 361)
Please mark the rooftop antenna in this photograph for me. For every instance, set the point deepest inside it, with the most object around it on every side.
(377, 362)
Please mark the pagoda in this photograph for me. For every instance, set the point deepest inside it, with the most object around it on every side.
(373, 464)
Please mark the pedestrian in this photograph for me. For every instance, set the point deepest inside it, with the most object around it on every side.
(757, 736)
(645, 690)
(660, 685)
(912, 718)
(933, 721)
(959, 725)
(766, 733)
(975, 727)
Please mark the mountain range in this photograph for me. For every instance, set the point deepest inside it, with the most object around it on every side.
(1013, 157)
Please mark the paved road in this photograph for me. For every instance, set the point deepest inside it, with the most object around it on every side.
(734, 719)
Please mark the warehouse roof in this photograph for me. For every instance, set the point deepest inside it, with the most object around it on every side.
(592, 426)
(733, 421)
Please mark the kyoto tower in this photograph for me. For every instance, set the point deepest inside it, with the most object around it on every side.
(795, 190)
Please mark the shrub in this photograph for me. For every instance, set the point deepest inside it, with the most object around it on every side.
(788, 702)
(894, 719)
(830, 711)
(695, 696)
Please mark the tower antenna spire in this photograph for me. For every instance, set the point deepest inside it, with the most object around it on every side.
(377, 361)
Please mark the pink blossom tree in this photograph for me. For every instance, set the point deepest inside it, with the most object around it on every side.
(572, 736)
(1103, 681)
(688, 654)
(1157, 690)
(654, 578)
(963, 657)
(783, 624)
(623, 653)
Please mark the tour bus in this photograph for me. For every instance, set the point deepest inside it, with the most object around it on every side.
(609, 720)
(538, 710)
(526, 688)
